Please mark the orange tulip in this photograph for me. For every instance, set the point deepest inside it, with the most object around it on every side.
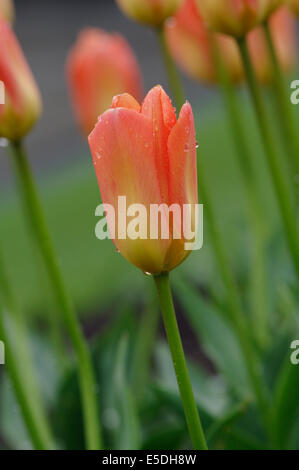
(7, 10)
(235, 17)
(99, 66)
(283, 28)
(190, 44)
(150, 12)
(149, 156)
(22, 105)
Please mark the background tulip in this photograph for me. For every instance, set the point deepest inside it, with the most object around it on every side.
(22, 105)
(146, 154)
(234, 17)
(99, 66)
(190, 43)
(283, 30)
(151, 12)
(7, 10)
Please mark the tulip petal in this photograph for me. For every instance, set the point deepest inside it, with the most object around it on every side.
(157, 106)
(182, 159)
(125, 100)
(123, 153)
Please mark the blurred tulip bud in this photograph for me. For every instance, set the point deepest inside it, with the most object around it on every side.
(283, 29)
(294, 6)
(150, 12)
(7, 10)
(190, 44)
(22, 103)
(99, 66)
(235, 17)
(149, 156)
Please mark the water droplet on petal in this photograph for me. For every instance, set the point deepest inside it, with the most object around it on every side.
(196, 145)
(98, 155)
(146, 273)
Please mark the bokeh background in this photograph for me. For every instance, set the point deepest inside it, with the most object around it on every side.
(111, 296)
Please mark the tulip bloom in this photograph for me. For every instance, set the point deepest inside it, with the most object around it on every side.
(7, 10)
(190, 44)
(283, 31)
(99, 66)
(149, 156)
(150, 12)
(235, 17)
(22, 105)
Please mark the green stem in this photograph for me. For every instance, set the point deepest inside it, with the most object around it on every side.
(172, 72)
(237, 315)
(287, 120)
(179, 362)
(85, 367)
(273, 159)
(26, 394)
(256, 217)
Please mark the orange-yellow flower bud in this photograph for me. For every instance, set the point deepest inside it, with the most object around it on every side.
(234, 17)
(100, 65)
(147, 155)
(190, 43)
(283, 30)
(7, 10)
(22, 103)
(150, 12)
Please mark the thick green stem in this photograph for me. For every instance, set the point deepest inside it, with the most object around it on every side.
(273, 159)
(237, 314)
(179, 362)
(19, 372)
(289, 125)
(172, 72)
(85, 368)
(255, 215)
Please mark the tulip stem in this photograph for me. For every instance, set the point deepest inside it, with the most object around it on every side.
(256, 217)
(85, 368)
(237, 317)
(287, 117)
(273, 159)
(179, 362)
(172, 72)
(26, 394)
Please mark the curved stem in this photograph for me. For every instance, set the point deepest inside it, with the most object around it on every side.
(277, 172)
(179, 362)
(172, 72)
(256, 217)
(85, 368)
(237, 315)
(16, 363)
(287, 120)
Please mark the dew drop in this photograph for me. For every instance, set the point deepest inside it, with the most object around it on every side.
(196, 145)
(98, 155)
(146, 273)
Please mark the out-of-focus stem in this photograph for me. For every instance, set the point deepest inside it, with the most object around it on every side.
(256, 218)
(238, 318)
(179, 362)
(171, 69)
(273, 159)
(289, 126)
(20, 375)
(85, 368)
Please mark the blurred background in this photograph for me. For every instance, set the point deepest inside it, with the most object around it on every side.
(112, 297)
